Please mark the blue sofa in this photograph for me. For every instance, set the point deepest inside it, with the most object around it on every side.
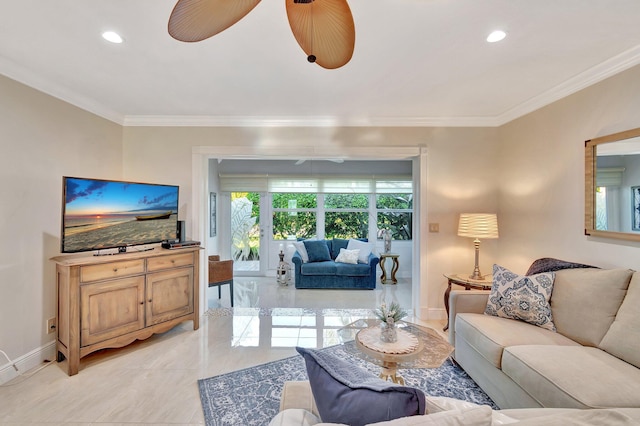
(329, 274)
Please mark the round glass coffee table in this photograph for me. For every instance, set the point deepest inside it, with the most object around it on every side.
(429, 351)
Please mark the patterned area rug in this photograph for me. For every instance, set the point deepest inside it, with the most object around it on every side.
(251, 397)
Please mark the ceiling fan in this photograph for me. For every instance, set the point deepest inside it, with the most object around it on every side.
(333, 160)
(324, 29)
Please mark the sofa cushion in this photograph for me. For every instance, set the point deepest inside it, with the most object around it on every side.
(336, 245)
(328, 267)
(317, 250)
(346, 393)
(587, 296)
(473, 416)
(348, 256)
(623, 337)
(491, 335)
(357, 270)
(521, 297)
(582, 418)
(573, 376)
(364, 247)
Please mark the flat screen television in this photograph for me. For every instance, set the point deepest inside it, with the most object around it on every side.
(101, 214)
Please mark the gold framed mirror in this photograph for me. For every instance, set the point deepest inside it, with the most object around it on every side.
(612, 186)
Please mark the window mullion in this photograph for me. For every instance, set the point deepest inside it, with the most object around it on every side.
(320, 220)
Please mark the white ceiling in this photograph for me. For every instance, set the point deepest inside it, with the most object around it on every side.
(416, 62)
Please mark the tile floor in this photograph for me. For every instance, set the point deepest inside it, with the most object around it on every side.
(154, 382)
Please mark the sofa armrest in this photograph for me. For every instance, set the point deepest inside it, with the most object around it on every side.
(297, 266)
(462, 301)
(297, 394)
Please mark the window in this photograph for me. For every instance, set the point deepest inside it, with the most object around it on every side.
(337, 207)
(294, 215)
(346, 216)
(601, 208)
(395, 212)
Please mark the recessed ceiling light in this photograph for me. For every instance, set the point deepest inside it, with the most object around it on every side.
(496, 36)
(111, 36)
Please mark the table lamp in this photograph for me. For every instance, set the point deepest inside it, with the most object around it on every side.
(478, 225)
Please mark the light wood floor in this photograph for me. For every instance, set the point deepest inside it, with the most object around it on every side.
(154, 382)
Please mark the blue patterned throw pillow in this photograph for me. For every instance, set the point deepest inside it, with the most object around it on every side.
(521, 297)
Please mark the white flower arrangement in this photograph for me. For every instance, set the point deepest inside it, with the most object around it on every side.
(394, 311)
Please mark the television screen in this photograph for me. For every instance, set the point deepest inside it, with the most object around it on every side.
(99, 214)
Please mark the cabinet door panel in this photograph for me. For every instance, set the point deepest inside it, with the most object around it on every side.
(169, 295)
(111, 308)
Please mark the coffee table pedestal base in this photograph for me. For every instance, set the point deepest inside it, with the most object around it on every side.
(391, 373)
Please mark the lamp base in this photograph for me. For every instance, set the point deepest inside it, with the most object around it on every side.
(476, 269)
(476, 276)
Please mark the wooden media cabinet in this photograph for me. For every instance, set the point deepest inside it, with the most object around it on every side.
(111, 301)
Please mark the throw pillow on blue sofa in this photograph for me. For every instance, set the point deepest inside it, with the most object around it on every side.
(365, 249)
(317, 250)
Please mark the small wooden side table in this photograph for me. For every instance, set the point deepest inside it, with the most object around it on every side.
(394, 268)
(468, 284)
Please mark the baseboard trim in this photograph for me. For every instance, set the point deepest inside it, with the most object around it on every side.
(436, 314)
(28, 361)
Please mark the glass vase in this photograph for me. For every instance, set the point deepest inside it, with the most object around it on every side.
(388, 332)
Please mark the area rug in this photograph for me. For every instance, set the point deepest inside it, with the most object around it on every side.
(251, 397)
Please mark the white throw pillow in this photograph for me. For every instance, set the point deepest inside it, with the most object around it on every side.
(348, 256)
(365, 249)
(299, 245)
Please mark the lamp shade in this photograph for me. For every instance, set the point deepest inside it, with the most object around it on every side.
(478, 225)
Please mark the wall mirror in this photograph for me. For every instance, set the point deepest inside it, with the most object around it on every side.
(612, 186)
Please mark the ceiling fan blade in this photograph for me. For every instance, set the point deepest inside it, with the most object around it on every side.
(324, 29)
(196, 20)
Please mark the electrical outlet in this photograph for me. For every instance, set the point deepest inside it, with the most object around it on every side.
(434, 227)
(52, 325)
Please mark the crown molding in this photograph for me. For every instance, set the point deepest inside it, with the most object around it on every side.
(593, 75)
(302, 121)
(29, 78)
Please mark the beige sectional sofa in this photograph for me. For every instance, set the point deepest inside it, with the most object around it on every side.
(297, 408)
(591, 361)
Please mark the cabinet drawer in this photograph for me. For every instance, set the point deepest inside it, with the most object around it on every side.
(170, 261)
(111, 270)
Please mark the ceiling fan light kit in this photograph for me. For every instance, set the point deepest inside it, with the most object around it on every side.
(324, 29)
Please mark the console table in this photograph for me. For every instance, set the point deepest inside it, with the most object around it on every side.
(111, 301)
(468, 283)
(384, 279)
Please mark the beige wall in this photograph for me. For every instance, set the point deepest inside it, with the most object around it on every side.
(461, 176)
(42, 139)
(541, 177)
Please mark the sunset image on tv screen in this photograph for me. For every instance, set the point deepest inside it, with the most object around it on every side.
(103, 214)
